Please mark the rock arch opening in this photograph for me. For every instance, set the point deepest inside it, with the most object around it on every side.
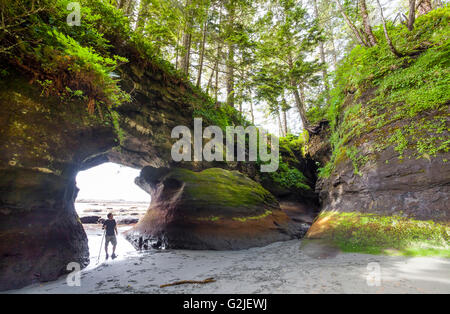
(109, 188)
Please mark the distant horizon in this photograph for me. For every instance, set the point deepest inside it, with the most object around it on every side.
(110, 182)
(90, 200)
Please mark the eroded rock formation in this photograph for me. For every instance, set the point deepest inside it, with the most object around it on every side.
(46, 140)
(380, 177)
(212, 209)
(40, 233)
(414, 188)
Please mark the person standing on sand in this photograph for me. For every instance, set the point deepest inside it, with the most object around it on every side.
(110, 234)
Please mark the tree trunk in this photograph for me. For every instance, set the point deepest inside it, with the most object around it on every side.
(351, 25)
(251, 110)
(177, 50)
(302, 93)
(241, 89)
(301, 107)
(366, 22)
(216, 87)
(412, 14)
(202, 54)
(187, 39)
(230, 76)
(285, 123)
(322, 55)
(298, 101)
(280, 126)
(230, 58)
(185, 58)
(208, 86)
(216, 64)
(386, 34)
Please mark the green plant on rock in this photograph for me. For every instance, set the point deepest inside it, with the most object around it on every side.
(378, 234)
(408, 96)
(289, 177)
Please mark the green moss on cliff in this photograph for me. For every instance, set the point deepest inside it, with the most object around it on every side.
(244, 219)
(85, 61)
(376, 234)
(219, 188)
(397, 102)
(288, 176)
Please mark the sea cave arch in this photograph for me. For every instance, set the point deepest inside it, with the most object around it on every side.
(109, 188)
(47, 141)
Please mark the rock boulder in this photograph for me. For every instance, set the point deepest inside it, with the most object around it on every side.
(212, 209)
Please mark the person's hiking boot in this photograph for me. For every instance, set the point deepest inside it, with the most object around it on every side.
(113, 256)
(107, 256)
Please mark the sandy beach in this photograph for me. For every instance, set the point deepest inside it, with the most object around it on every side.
(283, 267)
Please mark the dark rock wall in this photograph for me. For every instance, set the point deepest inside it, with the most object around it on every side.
(46, 140)
(40, 232)
(415, 188)
(388, 183)
(43, 142)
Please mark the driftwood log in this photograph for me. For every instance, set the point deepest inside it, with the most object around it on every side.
(207, 280)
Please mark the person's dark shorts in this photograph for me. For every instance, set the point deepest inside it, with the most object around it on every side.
(111, 239)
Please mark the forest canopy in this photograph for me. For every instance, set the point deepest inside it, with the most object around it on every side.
(283, 64)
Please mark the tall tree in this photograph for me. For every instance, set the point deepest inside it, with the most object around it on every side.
(288, 29)
(366, 23)
(231, 16)
(187, 38)
(322, 53)
(412, 14)
(386, 34)
(202, 48)
(350, 24)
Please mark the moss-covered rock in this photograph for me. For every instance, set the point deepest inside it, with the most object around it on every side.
(389, 131)
(375, 234)
(212, 209)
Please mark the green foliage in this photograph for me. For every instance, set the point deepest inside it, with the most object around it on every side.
(421, 86)
(293, 143)
(286, 29)
(290, 177)
(400, 140)
(219, 114)
(409, 98)
(88, 69)
(67, 58)
(376, 234)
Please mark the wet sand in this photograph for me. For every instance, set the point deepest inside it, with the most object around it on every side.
(281, 267)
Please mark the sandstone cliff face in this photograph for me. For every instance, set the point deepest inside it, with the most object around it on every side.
(45, 141)
(40, 233)
(414, 188)
(379, 170)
